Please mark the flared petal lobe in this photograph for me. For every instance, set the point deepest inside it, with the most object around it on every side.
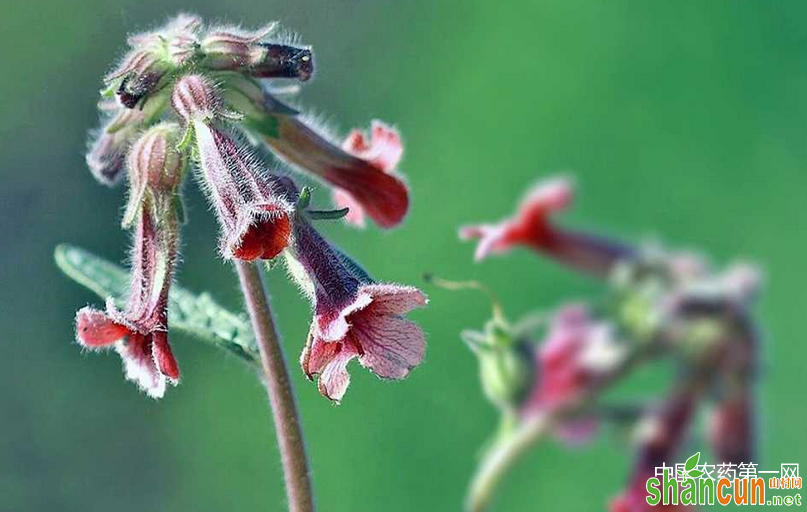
(384, 150)
(529, 226)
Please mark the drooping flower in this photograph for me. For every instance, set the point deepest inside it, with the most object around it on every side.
(252, 206)
(139, 333)
(371, 185)
(531, 226)
(381, 195)
(383, 150)
(354, 316)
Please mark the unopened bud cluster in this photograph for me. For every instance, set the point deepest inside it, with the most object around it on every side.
(188, 96)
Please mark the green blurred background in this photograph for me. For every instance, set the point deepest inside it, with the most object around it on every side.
(680, 120)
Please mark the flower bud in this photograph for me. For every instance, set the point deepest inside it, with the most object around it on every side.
(152, 56)
(194, 97)
(283, 61)
(107, 152)
(505, 364)
(233, 49)
(155, 166)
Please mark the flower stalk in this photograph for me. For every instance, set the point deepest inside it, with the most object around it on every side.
(288, 427)
(502, 455)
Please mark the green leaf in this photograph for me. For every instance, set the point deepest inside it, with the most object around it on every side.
(692, 462)
(197, 315)
(695, 473)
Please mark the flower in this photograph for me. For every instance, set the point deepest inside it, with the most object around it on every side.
(576, 353)
(531, 226)
(354, 317)
(252, 207)
(383, 150)
(140, 332)
(732, 429)
(380, 194)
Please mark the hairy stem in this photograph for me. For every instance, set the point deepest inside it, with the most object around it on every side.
(278, 386)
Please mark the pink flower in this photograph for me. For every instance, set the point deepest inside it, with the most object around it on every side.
(354, 317)
(577, 352)
(531, 226)
(370, 185)
(252, 207)
(383, 150)
(140, 332)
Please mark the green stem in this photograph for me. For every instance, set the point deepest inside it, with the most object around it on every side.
(278, 386)
(507, 451)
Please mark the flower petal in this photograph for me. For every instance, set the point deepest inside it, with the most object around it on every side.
(355, 215)
(95, 329)
(334, 379)
(164, 357)
(139, 365)
(392, 346)
(393, 299)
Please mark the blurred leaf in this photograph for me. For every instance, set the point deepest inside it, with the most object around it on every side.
(197, 315)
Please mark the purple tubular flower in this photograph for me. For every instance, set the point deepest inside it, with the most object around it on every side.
(252, 207)
(139, 333)
(354, 317)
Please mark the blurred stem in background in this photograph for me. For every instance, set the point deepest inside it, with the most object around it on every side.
(288, 427)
